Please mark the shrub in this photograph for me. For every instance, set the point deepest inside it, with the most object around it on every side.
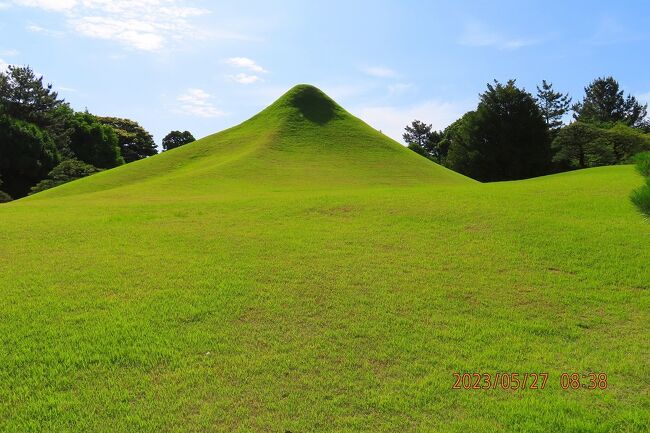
(4, 197)
(643, 163)
(641, 196)
(68, 170)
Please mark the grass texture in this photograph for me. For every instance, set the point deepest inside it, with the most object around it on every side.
(302, 272)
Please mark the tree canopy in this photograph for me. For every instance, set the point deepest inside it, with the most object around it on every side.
(24, 96)
(604, 102)
(27, 154)
(422, 139)
(66, 171)
(504, 139)
(93, 142)
(134, 141)
(582, 145)
(38, 130)
(177, 139)
(553, 105)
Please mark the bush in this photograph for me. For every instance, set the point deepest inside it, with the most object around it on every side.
(67, 171)
(642, 161)
(641, 196)
(4, 197)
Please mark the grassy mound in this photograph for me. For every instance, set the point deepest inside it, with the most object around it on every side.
(302, 272)
(304, 141)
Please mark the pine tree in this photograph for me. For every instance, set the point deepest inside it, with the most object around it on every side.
(552, 104)
(604, 103)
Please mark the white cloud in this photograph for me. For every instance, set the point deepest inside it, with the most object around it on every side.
(392, 120)
(38, 29)
(137, 34)
(34, 28)
(3, 65)
(245, 78)
(245, 63)
(50, 5)
(9, 53)
(146, 25)
(380, 72)
(475, 34)
(4, 5)
(197, 102)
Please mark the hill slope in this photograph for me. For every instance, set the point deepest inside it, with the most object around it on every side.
(225, 287)
(304, 140)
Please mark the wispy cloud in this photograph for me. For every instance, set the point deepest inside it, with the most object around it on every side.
(379, 71)
(9, 53)
(476, 34)
(146, 25)
(245, 63)
(34, 28)
(400, 88)
(50, 5)
(245, 78)
(66, 89)
(610, 31)
(391, 120)
(197, 102)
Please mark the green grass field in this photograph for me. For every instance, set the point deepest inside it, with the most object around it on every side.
(302, 272)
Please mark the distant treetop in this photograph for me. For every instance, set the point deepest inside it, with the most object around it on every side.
(177, 139)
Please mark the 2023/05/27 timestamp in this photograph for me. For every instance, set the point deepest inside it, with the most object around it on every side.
(521, 381)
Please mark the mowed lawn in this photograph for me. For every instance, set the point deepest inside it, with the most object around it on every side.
(212, 306)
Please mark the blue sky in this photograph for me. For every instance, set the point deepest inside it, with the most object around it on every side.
(207, 65)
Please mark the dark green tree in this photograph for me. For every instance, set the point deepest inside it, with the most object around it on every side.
(135, 142)
(626, 142)
(604, 102)
(27, 154)
(418, 149)
(553, 105)
(68, 170)
(506, 138)
(93, 142)
(24, 96)
(417, 132)
(177, 139)
(581, 145)
(4, 197)
(422, 139)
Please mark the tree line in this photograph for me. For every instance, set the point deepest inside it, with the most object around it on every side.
(513, 134)
(44, 142)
